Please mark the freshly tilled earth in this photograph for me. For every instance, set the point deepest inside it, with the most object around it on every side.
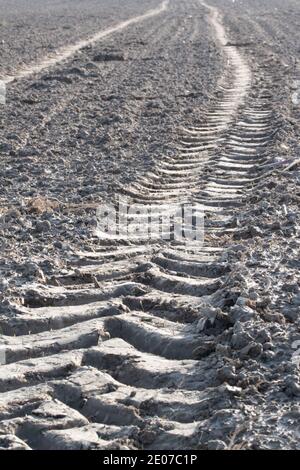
(149, 344)
(35, 29)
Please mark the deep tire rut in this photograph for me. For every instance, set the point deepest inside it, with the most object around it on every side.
(110, 357)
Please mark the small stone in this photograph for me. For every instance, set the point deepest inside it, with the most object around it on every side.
(240, 337)
(268, 355)
(209, 315)
(33, 270)
(227, 374)
(5, 147)
(14, 214)
(242, 314)
(263, 337)
(223, 350)
(108, 56)
(43, 226)
(30, 269)
(28, 152)
(237, 248)
(3, 285)
(252, 350)
(268, 346)
(291, 313)
(58, 244)
(292, 387)
(205, 349)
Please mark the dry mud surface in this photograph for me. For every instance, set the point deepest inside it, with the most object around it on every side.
(150, 345)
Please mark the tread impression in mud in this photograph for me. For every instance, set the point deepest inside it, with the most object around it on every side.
(145, 343)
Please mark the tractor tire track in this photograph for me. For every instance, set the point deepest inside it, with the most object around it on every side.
(68, 51)
(115, 354)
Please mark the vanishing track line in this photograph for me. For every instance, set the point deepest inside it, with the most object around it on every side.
(65, 53)
(110, 357)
